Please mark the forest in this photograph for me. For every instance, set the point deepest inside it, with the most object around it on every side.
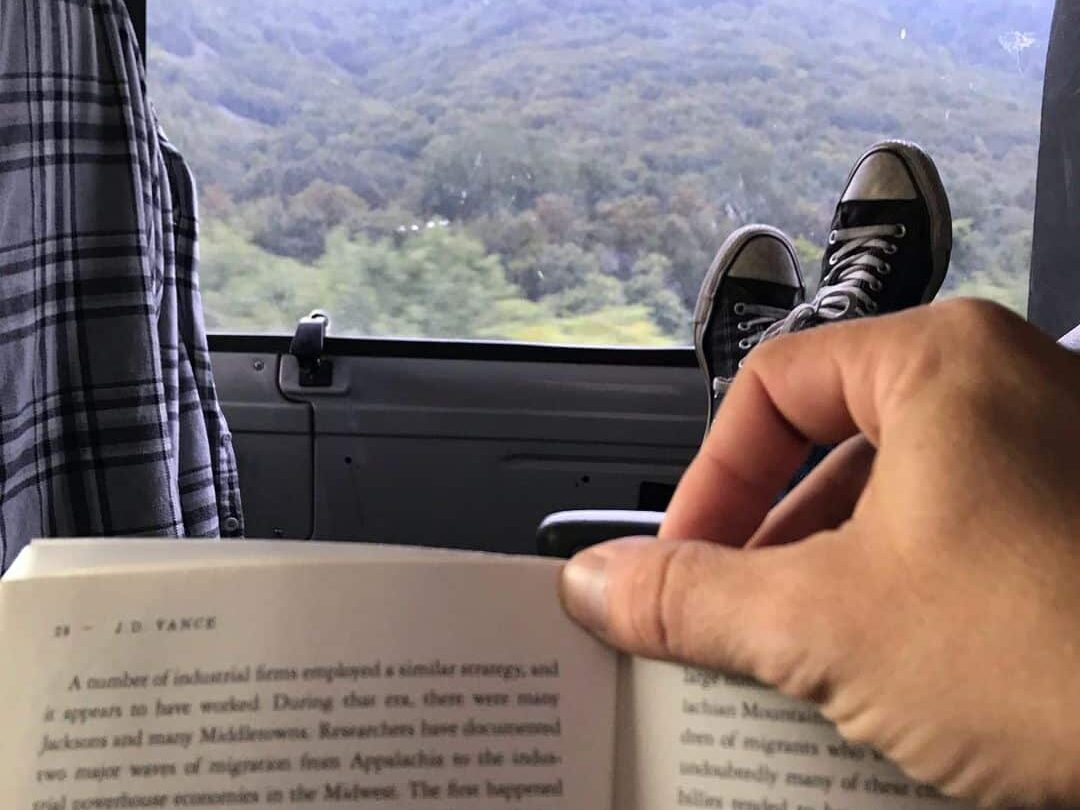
(563, 171)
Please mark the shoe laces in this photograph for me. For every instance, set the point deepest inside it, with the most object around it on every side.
(753, 328)
(854, 276)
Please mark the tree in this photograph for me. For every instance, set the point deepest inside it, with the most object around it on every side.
(593, 293)
(297, 226)
(245, 288)
(439, 283)
(650, 286)
(554, 269)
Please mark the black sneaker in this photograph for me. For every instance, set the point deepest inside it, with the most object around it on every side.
(754, 282)
(890, 242)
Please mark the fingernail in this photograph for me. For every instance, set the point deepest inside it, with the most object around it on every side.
(584, 590)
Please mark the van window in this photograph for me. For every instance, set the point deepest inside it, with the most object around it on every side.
(563, 170)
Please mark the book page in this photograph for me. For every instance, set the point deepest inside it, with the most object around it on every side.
(54, 557)
(688, 738)
(397, 683)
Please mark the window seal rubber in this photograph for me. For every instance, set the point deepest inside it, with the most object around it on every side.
(490, 351)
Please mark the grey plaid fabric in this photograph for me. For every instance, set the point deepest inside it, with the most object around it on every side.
(109, 420)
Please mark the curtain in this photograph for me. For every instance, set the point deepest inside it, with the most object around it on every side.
(109, 420)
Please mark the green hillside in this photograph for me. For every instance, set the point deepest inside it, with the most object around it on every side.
(564, 170)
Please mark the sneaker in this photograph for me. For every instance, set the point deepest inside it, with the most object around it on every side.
(753, 283)
(890, 242)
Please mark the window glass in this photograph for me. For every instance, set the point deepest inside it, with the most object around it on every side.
(564, 170)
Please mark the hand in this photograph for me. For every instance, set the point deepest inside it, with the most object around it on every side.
(922, 585)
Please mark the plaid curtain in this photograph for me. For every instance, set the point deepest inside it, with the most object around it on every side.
(109, 419)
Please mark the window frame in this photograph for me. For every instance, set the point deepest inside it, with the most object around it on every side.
(436, 349)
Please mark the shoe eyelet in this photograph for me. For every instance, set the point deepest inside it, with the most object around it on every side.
(872, 308)
(885, 269)
(833, 237)
(833, 260)
(741, 362)
(742, 326)
(876, 286)
(891, 250)
(745, 345)
(901, 231)
(740, 308)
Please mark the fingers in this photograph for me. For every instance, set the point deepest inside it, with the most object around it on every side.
(819, 386)
(775, 613)
(740, 469)
(824, 500)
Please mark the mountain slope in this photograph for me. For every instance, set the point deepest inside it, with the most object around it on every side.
(599, 151)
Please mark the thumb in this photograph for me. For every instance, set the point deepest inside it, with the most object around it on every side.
(781, 614)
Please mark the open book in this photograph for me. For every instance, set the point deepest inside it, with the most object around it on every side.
(150, 674)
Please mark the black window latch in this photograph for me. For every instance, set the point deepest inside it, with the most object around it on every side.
(307, 347)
